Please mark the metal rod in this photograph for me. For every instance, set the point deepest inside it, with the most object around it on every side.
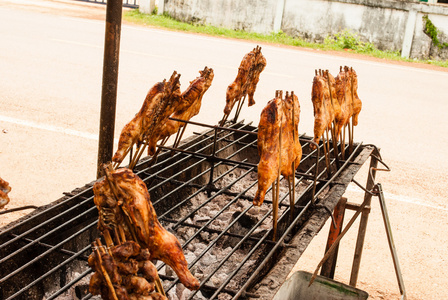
(48, 233)
(38, 257)
(53, 270)
(110, 83)
(390, 239)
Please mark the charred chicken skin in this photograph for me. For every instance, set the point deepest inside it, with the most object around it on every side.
(246, 81)
(278, 114)
(190, 104)
(134, 201)
(4, 190)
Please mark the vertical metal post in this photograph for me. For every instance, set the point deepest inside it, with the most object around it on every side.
(390, 239)
(363, 223)
(109, 85)
(329, 267)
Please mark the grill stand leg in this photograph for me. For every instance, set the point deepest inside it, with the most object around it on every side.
(329, 267)
(363, 223)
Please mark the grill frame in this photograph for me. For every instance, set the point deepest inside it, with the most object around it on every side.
(34, 228)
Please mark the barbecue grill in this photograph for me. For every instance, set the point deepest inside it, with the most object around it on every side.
(202, 191)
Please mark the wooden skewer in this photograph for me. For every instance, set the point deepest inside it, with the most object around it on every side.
(275, 195)
(122, 233)
(239, 107)
(327, 161)
(159, 286)
(292, 198)
(138, 154)
(350, 147)
(178, 138)
(343, 142)
(350, 136)
(108, 238)
(103, 271)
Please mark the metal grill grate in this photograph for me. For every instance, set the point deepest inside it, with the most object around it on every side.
(214, 172)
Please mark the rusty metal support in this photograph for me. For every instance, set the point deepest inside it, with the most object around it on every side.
(363, 223)
(329, 267)
(109, 85)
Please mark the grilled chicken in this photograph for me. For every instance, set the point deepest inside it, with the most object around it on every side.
(356, 102)
(344, 97)
(160, 102)
(246, 81)
(190, 104)
(4, 190)
(134, 201)
(278, 114)
(129, 269)
(324, 112)
(132, 132)
(291, 148)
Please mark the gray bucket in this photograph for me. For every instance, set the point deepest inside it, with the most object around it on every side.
(323, 288)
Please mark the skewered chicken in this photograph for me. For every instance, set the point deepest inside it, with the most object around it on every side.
(278, 114)
(356, 102)
(159, 103)
(134, 201)
(4, 190)
(324, 113)
(343, 92)
(290, 147)
(246, 81)
(117, 273)
(190, 104)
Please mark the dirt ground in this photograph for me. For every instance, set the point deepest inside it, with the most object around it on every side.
(421, 244)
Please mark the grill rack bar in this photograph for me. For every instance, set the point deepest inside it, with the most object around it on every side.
(86, 196)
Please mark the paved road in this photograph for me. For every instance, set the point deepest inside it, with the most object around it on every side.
(50, 90)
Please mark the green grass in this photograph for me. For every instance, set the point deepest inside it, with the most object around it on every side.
(342, 41)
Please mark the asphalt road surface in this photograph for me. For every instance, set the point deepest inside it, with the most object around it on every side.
(51, 55)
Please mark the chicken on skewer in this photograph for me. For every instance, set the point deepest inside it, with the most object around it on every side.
(159, 103)
(324, 113)
(189, 106)
(141, 221)
(268, 147)
(118, 274)
(4, 190)
(356, 104)
(276, 117)
(245, 83)
(344, 96)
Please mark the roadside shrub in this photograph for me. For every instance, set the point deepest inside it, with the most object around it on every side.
(347, 39)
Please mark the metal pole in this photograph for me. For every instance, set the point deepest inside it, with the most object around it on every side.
(109, 86)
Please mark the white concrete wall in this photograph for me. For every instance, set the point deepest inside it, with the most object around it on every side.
(381, 22)
(250, 15)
